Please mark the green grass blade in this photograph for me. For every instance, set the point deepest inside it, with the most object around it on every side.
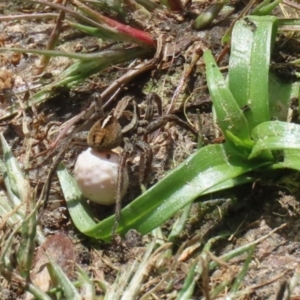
(189, 283)
(80, 71)
(265, 7)
(17, 187)
(180, 223)
(18, 183)
(208, 167)
(83, 69)
(7, 212)
(229, 115)
(26, 250)
(240, 277)
(14, 200)
(207, 17)
(248, 77)
(55, 53)
(135, 284)
(102, 33)
(70, 291)
(86, 284)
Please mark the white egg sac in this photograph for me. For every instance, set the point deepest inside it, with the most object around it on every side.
(96, 174)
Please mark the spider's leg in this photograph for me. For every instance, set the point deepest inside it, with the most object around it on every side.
(98, 105)
(146, 158)
(169, 118)
(134, 120)
(151, 98)
(121, 106)
(120, 181)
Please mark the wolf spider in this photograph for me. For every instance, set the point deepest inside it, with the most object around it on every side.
(107, 133)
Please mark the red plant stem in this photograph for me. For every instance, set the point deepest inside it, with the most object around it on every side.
(137, 34)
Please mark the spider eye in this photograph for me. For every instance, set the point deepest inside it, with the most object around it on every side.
(108, 156)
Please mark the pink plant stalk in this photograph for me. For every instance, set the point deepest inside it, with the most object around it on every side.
(139, 36)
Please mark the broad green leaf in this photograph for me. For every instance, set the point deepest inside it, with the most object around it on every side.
(275, 129)
(229, 115)
(263, 41)
(77, 205)
(280, 94)
(199, 174)
(248, 76)
(275, 135)
(291, 160)
(230, 183)
(239, 62)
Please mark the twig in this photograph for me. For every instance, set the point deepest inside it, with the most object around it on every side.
(27, 16)
(53, 39)
(181, 85)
